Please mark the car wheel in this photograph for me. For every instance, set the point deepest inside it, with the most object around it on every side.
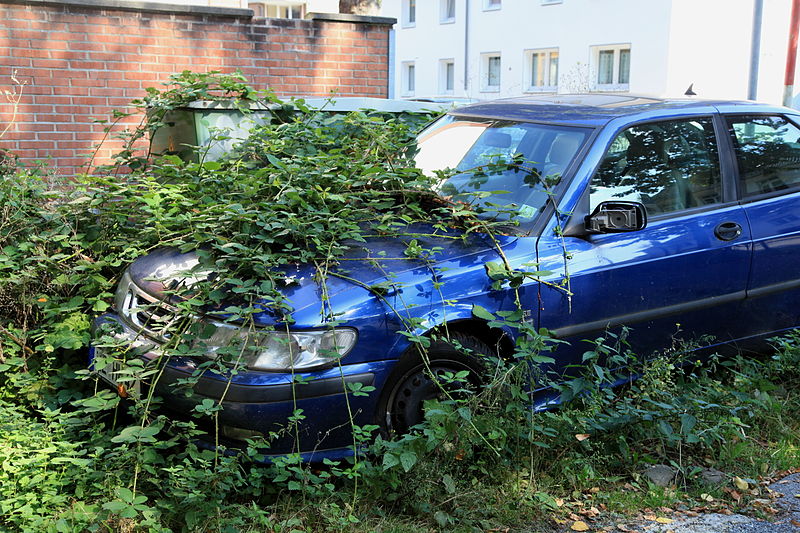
(417, 379)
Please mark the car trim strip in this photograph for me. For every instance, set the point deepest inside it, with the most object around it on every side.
(775, 287)
(650, 314)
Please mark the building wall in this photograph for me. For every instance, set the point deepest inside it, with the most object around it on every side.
(78, 63)
(673, 43)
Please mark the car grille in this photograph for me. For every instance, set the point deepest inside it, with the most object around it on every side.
(155, 318)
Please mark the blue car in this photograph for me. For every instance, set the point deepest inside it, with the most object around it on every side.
(675, 218)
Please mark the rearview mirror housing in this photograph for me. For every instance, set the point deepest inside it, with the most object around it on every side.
(617, 217)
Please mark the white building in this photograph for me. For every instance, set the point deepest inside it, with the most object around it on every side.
(493, 48)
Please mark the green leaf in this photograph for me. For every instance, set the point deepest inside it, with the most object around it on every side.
(408, 459)
(482, 313)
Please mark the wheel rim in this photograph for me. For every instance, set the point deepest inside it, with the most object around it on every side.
(406, 403)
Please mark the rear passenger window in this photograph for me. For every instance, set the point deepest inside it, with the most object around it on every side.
(768, 153)
(667, 166)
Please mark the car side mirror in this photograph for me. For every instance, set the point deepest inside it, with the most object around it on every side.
(617, 217)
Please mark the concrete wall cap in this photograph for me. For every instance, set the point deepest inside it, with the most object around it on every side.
(353, 19)
(146, 7)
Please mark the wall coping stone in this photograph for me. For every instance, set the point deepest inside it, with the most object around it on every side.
(145, 7)
(353, 19)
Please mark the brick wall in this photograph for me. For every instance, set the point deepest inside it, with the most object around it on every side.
(80, 61)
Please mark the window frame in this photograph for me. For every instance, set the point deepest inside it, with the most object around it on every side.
(443, 78)
(528, 71)
(408, 8)
(492, 5)
(406, 76)
(615, 85)
(486, 58)
(730, 137)
(444, 16)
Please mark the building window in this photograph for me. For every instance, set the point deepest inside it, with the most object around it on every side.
(490, 64)
(541, 70)
(612, 67)
(447, 11)
(447, 76)
(409, 13)
(278, 11)
(491, 4)
(409, 78)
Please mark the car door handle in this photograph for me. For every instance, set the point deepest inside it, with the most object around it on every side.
(727, 231)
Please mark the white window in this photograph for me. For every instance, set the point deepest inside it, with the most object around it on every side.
(447, 76)
(447, 11)
(490, 72)
(491, 4)
(409, 13)
(611, 67)
(541, 70)
(279, 11)
(408, 78)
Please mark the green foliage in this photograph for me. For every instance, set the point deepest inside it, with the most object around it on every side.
(305, 188)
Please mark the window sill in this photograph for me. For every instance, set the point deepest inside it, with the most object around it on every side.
(447, 21)
(611, 88)
(491, 89)
(492, 8)
(407, 25)
(539, 90)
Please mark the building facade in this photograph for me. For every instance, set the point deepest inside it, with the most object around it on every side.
(487, 49)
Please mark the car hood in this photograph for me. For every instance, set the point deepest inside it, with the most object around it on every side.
(370, 264)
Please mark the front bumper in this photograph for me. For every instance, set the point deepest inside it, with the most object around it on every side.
(256, 402)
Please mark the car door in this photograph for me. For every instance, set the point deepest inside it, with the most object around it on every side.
(683, 277)
(767, 151)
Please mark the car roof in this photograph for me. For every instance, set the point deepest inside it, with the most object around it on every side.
(592, 110)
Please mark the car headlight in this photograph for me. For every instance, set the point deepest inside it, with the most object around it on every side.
(276, 350)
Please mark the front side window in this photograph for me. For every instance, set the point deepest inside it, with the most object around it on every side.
(667, 166)
(612, 67)
(501, 165)
(542, 70)
(767, 152)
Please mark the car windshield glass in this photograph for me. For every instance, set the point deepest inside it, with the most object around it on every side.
(501, 166)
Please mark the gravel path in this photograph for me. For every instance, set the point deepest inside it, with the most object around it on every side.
(787, 520)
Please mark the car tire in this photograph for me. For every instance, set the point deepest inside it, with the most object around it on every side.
(412, 381)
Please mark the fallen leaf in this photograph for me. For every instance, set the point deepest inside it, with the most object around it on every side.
(795, 523)
(706, 497)
(735, 495)
(740, 483)
(41, 300)
(650, 517)
(582, 436)
(559, 502)
(579, 525)
(663, 520)
(594, 490)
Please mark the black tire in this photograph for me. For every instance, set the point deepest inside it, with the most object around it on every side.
(413, 381)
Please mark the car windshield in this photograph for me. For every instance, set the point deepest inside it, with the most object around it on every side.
(501, 166)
